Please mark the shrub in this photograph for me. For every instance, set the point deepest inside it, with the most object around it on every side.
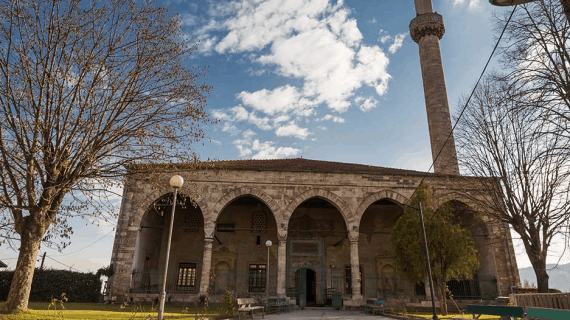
(49, 284)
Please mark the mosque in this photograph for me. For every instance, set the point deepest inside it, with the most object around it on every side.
(300, 228)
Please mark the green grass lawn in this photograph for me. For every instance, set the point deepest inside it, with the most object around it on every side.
(76, 310)
(451, 315)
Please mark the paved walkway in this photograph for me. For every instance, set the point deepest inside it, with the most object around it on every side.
(328, 314)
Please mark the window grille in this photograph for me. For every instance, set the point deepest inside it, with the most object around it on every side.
(186, 276)
(192, 219)
(348, 280)
(257, 277)
(259, 221)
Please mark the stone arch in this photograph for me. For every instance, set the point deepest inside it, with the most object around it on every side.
(148, 201)
(335, 200)
(245, 191)
(368, 201)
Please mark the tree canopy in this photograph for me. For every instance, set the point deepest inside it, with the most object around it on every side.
(451, 248)
(87, 88)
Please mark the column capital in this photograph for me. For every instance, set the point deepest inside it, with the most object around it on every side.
(427, 24)
(353, 236)
(282, 236)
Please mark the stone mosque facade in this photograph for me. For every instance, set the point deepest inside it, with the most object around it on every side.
(329, 222)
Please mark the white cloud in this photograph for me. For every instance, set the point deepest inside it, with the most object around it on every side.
(373, 21)
(311, 40)
(231, 129)
(314, 43)
(332, 118)
(292, 130)
(473, 4)
(398, 42)
(264, 150)
(366, 104)
(383, 36)
(271, 102)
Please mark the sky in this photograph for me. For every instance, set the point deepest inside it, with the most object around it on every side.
(320, 79)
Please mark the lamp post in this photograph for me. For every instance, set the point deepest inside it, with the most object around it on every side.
(268, 243)
(426, 251)
(502, 3)
(176, 182)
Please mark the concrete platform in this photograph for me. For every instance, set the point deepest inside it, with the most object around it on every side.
(328, 314)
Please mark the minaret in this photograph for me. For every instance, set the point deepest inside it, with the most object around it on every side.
(426, 29)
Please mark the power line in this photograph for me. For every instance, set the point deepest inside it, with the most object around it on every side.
(468, 100)
(87, 246)
(70, 267)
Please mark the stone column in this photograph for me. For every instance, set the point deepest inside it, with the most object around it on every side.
(354, 266)
(281, 265)
(206, 265)
(426, 29)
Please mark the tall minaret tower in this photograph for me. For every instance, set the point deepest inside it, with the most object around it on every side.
(426, 29)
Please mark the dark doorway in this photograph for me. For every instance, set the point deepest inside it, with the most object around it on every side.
(311, 288)
(306, 287)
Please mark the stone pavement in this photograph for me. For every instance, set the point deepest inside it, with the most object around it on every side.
(321, 313)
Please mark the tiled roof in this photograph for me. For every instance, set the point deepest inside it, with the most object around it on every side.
(306, 165)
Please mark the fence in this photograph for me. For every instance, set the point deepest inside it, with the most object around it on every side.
(542, 300)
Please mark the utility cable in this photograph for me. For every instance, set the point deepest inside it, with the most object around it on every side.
(87, 246)
(467, 102)
(70, 267)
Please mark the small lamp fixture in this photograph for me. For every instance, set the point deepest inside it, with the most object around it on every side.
(176, 181)
(504, 3)
(268, 243)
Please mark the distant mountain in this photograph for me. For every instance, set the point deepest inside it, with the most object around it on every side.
(559, 276)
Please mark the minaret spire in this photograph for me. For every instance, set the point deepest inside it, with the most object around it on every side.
(426, 29)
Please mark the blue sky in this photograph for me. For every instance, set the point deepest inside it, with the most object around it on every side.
(320, 79)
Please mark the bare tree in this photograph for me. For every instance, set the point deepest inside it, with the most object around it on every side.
(86, 89)
(536, 58)
(527, 166)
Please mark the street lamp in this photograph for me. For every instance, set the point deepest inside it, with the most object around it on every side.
(565, 4)
(176, 182)
(268, 243)
(426, 251)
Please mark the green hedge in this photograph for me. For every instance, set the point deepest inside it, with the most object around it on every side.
(48, 284)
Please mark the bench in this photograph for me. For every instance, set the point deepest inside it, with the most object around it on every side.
(548, 314)
(277, 304)
(503, 311)
(245, 305)
(374, 305)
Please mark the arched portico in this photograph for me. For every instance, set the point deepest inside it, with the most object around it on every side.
(238, 247)
(318, 241)
(375, 248)
(185, 252)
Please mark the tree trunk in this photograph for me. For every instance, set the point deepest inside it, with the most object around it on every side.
(443, 298)
(541, 277)
(23, 274)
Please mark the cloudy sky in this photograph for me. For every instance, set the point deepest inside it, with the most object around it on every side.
(321, 79)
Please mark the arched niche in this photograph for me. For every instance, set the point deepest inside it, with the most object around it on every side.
(242, 229)
(317, 238)
(375, 250)
(186, 248)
